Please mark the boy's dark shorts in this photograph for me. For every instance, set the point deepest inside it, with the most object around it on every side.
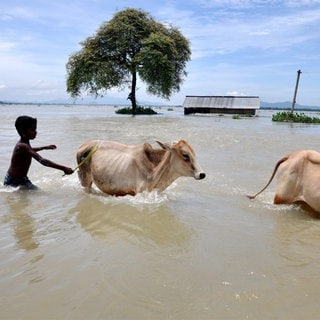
(23, 182)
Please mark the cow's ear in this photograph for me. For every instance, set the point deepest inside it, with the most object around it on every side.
(164, 146)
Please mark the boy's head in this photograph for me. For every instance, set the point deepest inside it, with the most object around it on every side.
(23, 123)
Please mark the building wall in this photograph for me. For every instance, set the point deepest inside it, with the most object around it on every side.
(221, 104)
(251, 112)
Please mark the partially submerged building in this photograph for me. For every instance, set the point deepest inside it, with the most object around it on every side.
(221, 104)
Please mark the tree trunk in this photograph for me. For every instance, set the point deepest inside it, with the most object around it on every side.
(133, 93)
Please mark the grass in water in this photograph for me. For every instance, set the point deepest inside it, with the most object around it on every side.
(241, 116)
(287, 116)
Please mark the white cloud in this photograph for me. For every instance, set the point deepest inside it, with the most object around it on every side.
(7, 45)
(245, 46)
(10, 12)
(210, 37)
(236, 93)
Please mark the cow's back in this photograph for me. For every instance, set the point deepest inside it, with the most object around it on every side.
(115, 168)
(311, 180)
(299, 179)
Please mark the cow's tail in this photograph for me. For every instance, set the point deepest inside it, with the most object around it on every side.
(84, 156)
(271, 178)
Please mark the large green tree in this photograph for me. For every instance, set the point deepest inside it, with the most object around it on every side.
(132, 44)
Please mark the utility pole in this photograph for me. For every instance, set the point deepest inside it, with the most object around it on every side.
(295, 91)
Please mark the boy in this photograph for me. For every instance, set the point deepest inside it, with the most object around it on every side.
(23, 154)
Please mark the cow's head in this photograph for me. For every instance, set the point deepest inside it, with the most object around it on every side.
(183, 160)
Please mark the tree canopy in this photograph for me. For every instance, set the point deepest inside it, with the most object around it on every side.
(132, 44)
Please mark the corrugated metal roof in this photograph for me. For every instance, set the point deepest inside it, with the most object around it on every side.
(230, 102)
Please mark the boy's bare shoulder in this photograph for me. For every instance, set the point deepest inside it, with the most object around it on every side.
(22, 147)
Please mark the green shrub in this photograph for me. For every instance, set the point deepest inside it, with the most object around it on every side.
(139, 110)
(287, 116)
(241, 116)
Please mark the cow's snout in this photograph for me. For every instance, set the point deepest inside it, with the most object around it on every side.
(200, 176)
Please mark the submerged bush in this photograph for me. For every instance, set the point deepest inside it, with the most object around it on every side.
(287, 116)
(241, 116)
(139, 110)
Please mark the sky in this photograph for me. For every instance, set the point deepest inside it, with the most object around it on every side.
(239, 47)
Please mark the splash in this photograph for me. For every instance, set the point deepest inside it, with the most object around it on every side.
(153, 197)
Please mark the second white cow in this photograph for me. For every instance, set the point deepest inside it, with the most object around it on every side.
(298, 180)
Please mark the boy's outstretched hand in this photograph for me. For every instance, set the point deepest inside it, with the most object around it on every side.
(50, 147)
(67, 170)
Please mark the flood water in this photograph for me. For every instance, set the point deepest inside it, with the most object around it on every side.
(199, 250)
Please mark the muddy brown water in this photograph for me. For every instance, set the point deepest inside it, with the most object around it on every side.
(199, 250)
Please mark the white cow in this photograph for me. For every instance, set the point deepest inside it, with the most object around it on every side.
(119, 169)
(298, 180)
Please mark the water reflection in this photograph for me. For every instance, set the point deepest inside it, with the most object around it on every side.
(294, 231)
(112, 222)
(23, 223)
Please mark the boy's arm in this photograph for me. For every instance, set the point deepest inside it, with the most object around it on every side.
(49, 163)
(50, 147)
